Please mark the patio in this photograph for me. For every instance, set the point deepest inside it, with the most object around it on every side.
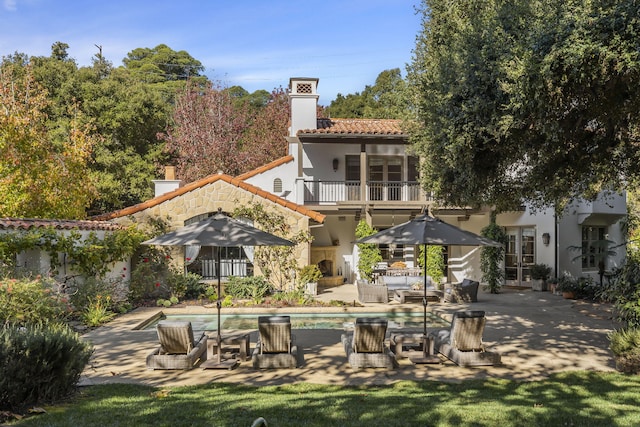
(537, 333)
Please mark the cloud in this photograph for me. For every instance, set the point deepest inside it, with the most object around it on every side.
(10, 5)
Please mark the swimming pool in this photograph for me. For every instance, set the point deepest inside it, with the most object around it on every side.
(209, 322)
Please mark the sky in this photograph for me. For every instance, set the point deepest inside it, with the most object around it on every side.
(256, 44)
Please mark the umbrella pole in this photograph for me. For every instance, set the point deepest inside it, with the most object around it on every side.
(426, 357)
(219, 363)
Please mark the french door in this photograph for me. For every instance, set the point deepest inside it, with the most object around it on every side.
(520, 254)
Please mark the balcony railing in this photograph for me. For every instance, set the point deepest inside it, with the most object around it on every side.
(349, 191)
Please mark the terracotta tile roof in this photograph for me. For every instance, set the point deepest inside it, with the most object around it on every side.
(357, 127)
(316, 216)
(59, 224)
(264, 168)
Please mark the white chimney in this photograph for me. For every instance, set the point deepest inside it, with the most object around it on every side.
(303, 99)
(169, 183)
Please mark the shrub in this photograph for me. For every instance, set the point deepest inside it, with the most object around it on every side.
(308, 274)
(97, 311)
(369, 254)
(25, 301)
(179, 283)
(255, 287)
(540, 271)
(624, 292)
(41, 363)
(111, 291)
(625, 345)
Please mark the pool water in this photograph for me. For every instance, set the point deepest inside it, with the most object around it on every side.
(209, 322)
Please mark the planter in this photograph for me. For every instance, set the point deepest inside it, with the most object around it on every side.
(568, 295)
(538, 285)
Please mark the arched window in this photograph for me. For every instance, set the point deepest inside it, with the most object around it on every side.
(277, 185)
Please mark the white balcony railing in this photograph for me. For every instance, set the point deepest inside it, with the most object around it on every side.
(349, 191)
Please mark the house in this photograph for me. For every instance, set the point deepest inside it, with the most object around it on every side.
(353, 169)
(340, 171)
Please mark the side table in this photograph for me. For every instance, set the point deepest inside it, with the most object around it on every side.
(411, 346)
(240, 339)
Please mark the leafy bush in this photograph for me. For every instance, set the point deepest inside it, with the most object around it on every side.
(624, 292)
(308, 274)
(111, 291)
(369, 254)
(255, 287)
(25, 301)
(178, 283)
(97, 311)
(491, 258)
(625, 345)
(40, 363)
(540, 271)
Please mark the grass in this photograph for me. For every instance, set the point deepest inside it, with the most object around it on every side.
(567, 399)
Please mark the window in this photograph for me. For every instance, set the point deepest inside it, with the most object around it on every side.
(277, 185)
(412, 169)
(594, 246)
(353, 168)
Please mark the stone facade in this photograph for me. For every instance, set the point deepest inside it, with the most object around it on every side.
(219, 194)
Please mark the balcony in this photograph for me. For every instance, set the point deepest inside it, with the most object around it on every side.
(329, 192)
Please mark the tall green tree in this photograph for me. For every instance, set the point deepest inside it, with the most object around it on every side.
(526, 100)
(386, 99)
(42, 173)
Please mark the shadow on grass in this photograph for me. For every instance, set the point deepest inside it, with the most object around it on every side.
(576, 398)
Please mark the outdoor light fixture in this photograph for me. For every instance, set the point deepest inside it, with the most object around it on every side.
(546, 237)
(335, 164)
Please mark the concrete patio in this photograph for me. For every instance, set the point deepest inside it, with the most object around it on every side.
(537, 333)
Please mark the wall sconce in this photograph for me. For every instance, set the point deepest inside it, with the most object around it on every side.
(546, 237)
(335, 164)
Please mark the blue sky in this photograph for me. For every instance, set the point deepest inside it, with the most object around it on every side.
(257, 44)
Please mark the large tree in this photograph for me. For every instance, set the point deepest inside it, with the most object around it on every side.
(526, 99)
(386, 99)
(217, 129)
(43, 168)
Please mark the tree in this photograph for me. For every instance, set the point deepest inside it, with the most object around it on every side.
(526, 100)
(43, 174)
(386, 99)
(214, 132)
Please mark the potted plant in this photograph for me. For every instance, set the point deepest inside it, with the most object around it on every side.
(539, 275)
(308, 277)
(568, 286)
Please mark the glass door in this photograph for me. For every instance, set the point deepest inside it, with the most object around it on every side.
(520, 254)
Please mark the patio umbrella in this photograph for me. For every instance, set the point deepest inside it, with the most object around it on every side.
(427, 230)
(222, 231)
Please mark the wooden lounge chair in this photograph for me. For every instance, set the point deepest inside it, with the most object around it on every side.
(365, 348)
(178, 349)
(276, 347)
(462, 343)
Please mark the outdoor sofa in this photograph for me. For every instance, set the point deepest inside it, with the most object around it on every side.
(385, 287)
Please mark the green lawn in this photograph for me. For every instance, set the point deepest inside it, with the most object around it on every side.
(568, 399)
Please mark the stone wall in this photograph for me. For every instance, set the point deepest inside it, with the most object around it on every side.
(211, 197)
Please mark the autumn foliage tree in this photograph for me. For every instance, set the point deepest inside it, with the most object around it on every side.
(214, 131)
(43, 171)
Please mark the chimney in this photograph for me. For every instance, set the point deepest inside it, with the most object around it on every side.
(169, 183)
(303, 99)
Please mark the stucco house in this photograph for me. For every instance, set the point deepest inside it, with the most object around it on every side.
(350, 169)
(339, 171)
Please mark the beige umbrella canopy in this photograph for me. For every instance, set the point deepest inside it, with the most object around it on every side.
(221, 231)
(427, 230)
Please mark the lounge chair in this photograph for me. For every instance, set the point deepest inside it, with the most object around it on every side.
(178, 348)
(462, 343)
(365, 348)
(276, 345)
(465, 291)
